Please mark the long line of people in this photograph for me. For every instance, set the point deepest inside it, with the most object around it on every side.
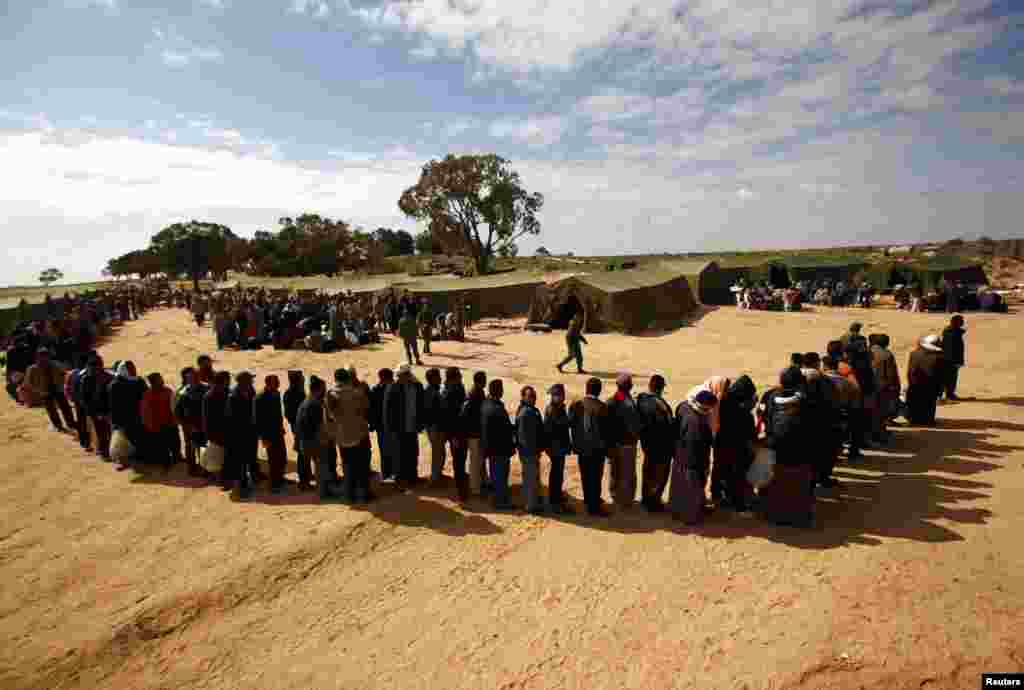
(713, 438)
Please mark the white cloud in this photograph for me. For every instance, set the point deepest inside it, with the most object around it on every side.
(534, 131)
(616, 104)
(184, 58)
(315, 8)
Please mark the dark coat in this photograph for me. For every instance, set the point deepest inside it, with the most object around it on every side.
(470, 416)
(953, 345)
(530, 431)
(376, 413)
(624, 420)
(693, 439)
(241, 423)
(432, 408)
(588, 422)
(452, 398)
(395, 407)
(125, 401)
(497, 436)
(737, 430)
(926, 370)
(293, 398)
(215, 423)
(268, 413)
(657, 435)
(556, 430)
(94, 392)
(309, 421)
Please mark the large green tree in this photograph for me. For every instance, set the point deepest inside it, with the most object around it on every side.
(474, 205)
(194, 248)
(394, 242)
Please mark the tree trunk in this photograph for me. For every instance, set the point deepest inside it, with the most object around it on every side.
(483, 261)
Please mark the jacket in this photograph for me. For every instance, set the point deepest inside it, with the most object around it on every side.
(530, 437)
(395, 407)
(269, 416)
(292, 398)
(155, 409)
(694, 439)
(658, 428)
(624, 421)
(125, 398)
(556, 431)
(309, 421)
(407, 328)
(45, 382)
(452, 398)
(432, 408)
(953, 345)
(93, 391)
(470, 415)
(926, 369)
(496, 431)
(189, 408)
(376, 412)
(784, 421)
(348, 408)
(241, 424)
(886, 370)
(588, 424)
(737, 428)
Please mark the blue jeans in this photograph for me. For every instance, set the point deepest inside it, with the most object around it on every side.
(499, 479)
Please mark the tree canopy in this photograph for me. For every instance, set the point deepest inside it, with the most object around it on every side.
(394, 242)
(473, 204)
(50, 275)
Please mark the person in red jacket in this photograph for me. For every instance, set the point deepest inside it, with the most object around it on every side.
(157, 412)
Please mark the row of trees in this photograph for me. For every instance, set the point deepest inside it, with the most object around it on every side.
(472, 205)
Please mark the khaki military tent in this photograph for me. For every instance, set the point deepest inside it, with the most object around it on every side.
(628, 301)
(494, 296)
(928, 273)
(817, 269)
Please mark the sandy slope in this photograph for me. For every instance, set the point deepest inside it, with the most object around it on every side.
(915, 578)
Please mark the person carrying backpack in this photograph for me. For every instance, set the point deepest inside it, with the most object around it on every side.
(789, 498)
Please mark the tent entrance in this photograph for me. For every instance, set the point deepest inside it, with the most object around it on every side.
(566, 312)
(778, 276)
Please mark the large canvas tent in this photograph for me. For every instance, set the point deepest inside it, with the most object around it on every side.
(816, 270)
(928, 274)
(494, 296)
(628, 301)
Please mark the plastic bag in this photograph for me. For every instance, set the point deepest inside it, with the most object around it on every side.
(213, 458)
(121, 449)
(762, 470)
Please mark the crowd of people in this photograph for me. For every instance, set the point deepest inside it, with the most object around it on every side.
(769, 452)
(948, 296)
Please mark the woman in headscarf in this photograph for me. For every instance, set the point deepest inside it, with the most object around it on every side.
(926, 374)
(734, 444)
(126, 391)
(693, 456)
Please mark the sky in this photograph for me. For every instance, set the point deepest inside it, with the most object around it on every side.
(649, 126)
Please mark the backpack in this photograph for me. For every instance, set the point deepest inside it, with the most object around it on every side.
(785, 415)
(591, 440)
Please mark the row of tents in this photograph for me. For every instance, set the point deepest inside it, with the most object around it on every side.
(659, 294)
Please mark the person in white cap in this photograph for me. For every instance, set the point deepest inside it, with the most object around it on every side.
(926, 373)
(403, 411)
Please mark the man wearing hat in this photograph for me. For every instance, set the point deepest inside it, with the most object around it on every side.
(403, 411)
(657, 441)
(926, 376)
(624, 425)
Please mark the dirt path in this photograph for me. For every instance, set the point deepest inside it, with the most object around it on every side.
(915, 577)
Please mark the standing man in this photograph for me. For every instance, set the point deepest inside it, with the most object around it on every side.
(385, 441)
(92, 390)
(530, 443)
(588, 419)
(574, 341)
(72, 393)
(426, 323)
(889, 385)
(189, 411)
(469, 423)
(403, 410)
(293, 399)
(242, 437)
(953, 348)
(205, 372)
(624, 431)
(407, 332)
(453, 396)
(270, 423)
(350, 408)
(157, 412)
(657, 441)
(310, 424)
(559, 445)
(497, 441)
(431, 419)
(46, 382)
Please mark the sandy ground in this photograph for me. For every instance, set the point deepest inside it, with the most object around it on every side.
(914, 578)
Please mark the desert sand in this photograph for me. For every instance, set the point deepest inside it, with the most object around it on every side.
(913, 578)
